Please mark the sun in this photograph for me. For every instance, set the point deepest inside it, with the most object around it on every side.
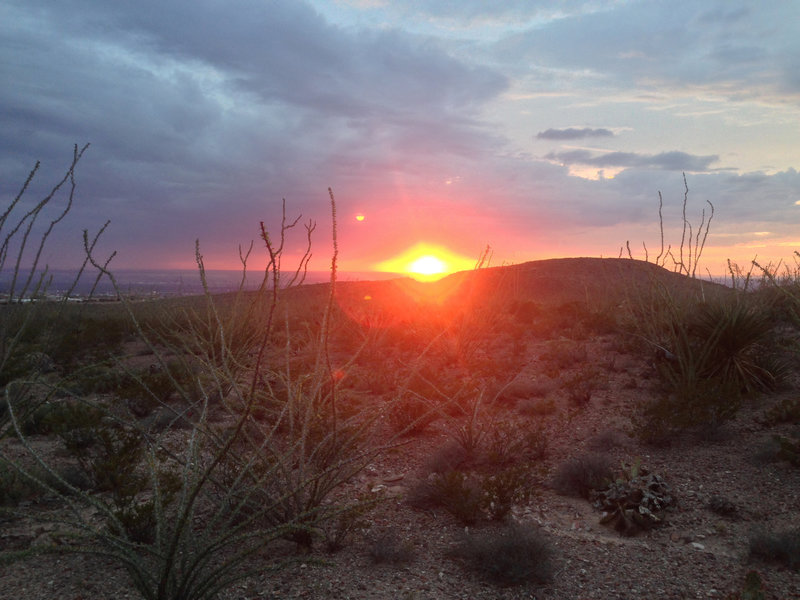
(426, 262)
(427, 265)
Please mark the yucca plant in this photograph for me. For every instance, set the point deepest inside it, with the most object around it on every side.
(708, 350)
(731, 335)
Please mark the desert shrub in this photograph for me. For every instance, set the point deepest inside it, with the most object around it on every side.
(76, 335)
(785, 411)
(752, 588)
(504, 489)
(389, 548)
(788, 449)
(524, 311)
(473, 496)
(781, 546)
(563, 354)
(470, 431)
(580, 475)
(451, 456)
(783, 288)
(734, 332)
(509, 442)
(185, 512)
(94, 378)
(15, 487)
(513, 555)
(410, 414)
(146, 389)
(338, 530)
(721, 506)
(455, 491)
(581, 385)
(606, 440)
(709, 359)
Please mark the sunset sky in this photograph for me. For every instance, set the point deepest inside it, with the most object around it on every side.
(542, 129)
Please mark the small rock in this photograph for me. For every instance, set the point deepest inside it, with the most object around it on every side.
(697, 546)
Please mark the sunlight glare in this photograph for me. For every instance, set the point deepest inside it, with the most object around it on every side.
(427, 265)
(426, 262)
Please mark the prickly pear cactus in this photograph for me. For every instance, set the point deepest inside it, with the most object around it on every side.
(634, 502)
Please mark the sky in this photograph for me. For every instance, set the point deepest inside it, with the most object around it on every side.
(540, 129)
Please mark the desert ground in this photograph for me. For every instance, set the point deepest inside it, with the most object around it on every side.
(497, 438)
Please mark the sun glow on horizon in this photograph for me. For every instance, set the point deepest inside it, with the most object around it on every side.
(426, 262)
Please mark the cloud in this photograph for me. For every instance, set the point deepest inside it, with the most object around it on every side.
(656, 47)
(573, 133)
(204, 115)
(670, 161)
(191, 106)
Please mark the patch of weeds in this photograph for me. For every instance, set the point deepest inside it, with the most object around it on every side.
(786, 411)
(563, 354)
(389, 548)
(339, 529)
(454, 491)
(781, 547)
(525, 312)
(721, 506)
(788, 449)
(449, 457)
(112, 464)
(98, 379)
(147, 389)
(606, 440)
(580, 386)
(15, 487)
(514, 555)
(578, 476)
(410, 415)
(510, 442)
(702, 406)
(503, 490)
(752, 588)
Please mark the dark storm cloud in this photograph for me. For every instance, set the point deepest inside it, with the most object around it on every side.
(573, 133)
(671, 161)
(192, 106)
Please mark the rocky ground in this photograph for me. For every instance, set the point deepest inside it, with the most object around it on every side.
(727, 484)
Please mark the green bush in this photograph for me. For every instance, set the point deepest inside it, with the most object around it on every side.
(514, 555)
